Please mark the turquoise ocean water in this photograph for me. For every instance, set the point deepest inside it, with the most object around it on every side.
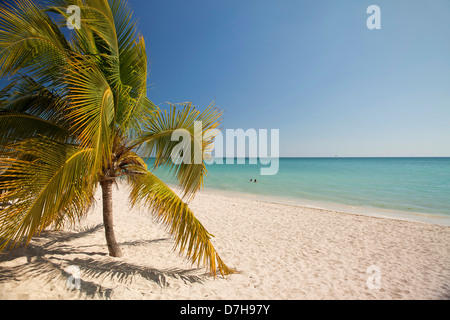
(409, 186)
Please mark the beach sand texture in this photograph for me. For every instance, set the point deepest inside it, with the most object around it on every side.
(280, 251)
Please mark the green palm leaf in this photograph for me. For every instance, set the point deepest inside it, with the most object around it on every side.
(189, 234)
(31, 41)
(157, 141)
(91, 109)
(47, 183)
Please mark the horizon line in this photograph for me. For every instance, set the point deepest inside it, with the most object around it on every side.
(325, 157)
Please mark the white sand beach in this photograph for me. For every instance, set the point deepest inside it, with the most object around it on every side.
(280, 251)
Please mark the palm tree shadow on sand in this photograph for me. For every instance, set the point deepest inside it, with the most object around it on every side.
(50, 261)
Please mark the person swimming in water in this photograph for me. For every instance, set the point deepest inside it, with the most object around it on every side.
(251, 180)
(255, 181)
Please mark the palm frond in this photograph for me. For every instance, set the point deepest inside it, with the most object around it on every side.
(47, 183)
(91, 109)
(30, 41)
(190, 236)
(20, 126)
(28, 109)
(157, 141)
(134, 105)
(24, 94)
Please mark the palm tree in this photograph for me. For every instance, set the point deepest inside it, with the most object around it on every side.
(75, 116)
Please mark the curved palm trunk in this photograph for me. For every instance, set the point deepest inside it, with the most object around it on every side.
(113, 247)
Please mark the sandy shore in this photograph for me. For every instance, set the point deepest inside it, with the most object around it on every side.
(281, 251)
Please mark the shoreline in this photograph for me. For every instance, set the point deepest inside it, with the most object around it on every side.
(431, 218)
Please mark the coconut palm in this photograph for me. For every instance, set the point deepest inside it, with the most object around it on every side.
(75, 116)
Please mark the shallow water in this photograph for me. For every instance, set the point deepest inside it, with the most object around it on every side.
(410, 185)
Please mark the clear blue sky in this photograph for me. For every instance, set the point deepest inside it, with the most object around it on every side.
(309, 68)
